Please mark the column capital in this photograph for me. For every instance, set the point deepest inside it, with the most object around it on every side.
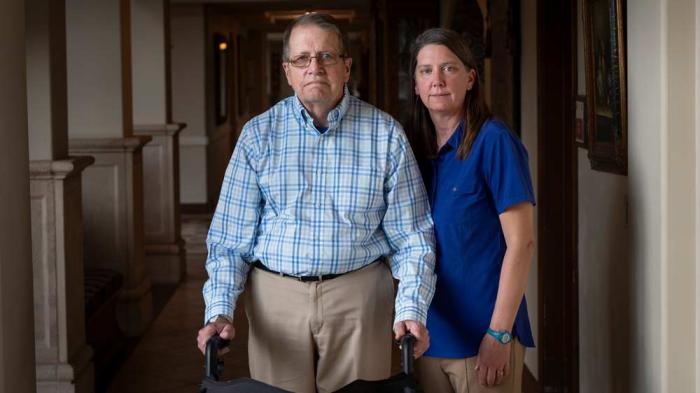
(170, 129)
(106, 145)
(58, 169)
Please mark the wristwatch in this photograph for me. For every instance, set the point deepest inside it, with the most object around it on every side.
(503, 336)
(222, 316)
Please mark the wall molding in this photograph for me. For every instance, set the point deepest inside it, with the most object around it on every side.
(187, 141)
(169, 129)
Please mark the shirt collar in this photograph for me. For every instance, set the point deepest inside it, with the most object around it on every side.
(456, 137)
(334, 116)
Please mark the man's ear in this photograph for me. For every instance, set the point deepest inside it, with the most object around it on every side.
(347, 62)
(286, 68)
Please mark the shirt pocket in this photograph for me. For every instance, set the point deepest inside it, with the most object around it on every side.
(358, 194)
(282, 190)
(464, 195)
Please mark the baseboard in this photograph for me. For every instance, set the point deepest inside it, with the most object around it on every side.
(195, 208)
(530, 384)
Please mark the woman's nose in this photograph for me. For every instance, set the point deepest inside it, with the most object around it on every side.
(437, 81)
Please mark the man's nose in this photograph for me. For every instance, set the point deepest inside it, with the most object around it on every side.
(314, 66)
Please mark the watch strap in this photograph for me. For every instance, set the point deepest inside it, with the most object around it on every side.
(503, 336)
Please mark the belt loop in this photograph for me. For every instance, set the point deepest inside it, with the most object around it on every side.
(320, 278)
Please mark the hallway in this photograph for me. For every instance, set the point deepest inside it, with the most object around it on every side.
(166, 358)
(117, 116)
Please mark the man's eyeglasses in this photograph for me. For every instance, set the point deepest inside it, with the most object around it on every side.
(322, 58)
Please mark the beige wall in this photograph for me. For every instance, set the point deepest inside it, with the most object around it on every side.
(603, 269)
(678, 189)
(17, 372)
(604, 281)
(528, 112)
(148, 61)
(189, 103)
(697, 196)
(95, 72)
(46, 79)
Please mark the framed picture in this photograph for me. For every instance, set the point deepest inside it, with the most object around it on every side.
(580, 130)
(604, 52)
(221, 50)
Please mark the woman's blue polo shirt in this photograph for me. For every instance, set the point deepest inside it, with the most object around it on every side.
(466, 197)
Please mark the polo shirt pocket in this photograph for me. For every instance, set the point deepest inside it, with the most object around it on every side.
(463, 195)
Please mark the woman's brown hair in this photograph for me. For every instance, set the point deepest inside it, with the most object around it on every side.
(476, 112)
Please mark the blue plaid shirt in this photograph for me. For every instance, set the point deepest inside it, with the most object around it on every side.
(306, 202)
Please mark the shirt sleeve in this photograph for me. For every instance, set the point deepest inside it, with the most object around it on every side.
(409, 229)
(232, 232)
(506, 170)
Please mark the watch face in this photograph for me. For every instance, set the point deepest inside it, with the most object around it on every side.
(505, 338)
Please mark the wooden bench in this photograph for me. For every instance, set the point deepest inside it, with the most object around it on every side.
(102, 330)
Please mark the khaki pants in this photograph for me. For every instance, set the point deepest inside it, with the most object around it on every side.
(306, 336)
(442, 375)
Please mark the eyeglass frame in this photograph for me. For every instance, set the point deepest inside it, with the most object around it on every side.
(316, 56)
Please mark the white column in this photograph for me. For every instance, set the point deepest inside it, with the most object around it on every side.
(16, 312)
(164, 251)
(663, 194)
(163, 245)
(113, 219)
(63, 359)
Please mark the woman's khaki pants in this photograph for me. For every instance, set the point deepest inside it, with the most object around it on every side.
(442, 375)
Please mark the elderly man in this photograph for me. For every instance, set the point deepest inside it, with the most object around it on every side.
(319, 189)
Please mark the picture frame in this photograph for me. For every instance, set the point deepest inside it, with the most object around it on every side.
(606, 84)
(580, 123)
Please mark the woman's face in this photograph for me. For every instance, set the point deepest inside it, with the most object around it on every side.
(442, 80)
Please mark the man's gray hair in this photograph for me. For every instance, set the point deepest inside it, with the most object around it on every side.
(324, 21)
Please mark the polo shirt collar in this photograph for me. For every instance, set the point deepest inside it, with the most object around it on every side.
(456, 137)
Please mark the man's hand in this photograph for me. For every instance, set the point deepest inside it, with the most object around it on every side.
(221, 326)
(418, 330)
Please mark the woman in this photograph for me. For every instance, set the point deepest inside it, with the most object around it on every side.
(481, 196)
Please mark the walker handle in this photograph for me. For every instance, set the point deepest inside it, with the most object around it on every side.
(407, 343)
(213, 366)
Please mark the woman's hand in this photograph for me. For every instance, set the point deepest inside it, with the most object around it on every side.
(493, 361)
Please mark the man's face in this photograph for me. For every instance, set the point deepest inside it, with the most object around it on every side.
(318, 86)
